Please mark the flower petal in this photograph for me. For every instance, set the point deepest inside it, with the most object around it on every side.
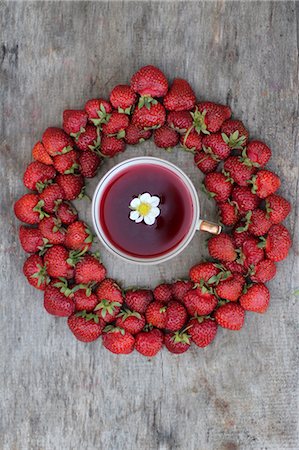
(139, 219)
(154, 212)
(145, 198)
(149, 219)
(155, 200)
(135, 202)
(134, 215)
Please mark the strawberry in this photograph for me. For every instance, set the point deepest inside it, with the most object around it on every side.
(237, 171)
(84, 302)
(202, 331)
(176, 316)
(135, 135)
(56, 141)
(131, 321)
(117, 340)
(191, 141)
(277, 243)
(180, 96)
(203, 272)
(89, 139)
(89, 163)
(57, 303)
(206, 163)
(89, 270)
(51, 230)
(149, 343)
(74, 122)
(123, 98)
(51, 196)
(217, 186)
(180, 121)
(38, 173)
(228, 213)
(57, 262)
(265, 183)
(98, 110)
(78, 236)
(222, 247)
(149, 118)
(165, 137)
(251, 253)
(66, 213)
(67, 162)
(71, 185)
(34, 270)
(240, 236)
(256, 298)
(213, 144)
(86, 327)
(155, 314)
(177, 342)
(257, 153)
(110, 146)
(31, 239)
(116, 124)
(149, 81)
(277, 207)
(234, 133)
(263, 272)
(244, 199)
(209, 117)
(163, 293)
(230, 315)
(199, 302)
(256, 222)
(110, 300)
(235, 267)
(139, 299)
(231, 288)
(39, 153)
(179, 288)
(28, 209)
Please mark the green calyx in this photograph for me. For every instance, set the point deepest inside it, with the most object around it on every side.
(125, 313)
(38, 208)
(181, 337)
(163, 309)
(147, 101)
(74, 169)
(43, 248)
(208, 193)
(77, 135)
(253, 182)
(96, 143)
(41, 275)
(246, 223)
(209, 152)
(103, 117)
(246, 161)
(106, 307)
(127, 111)
(262, 243)
(83, 194)
(228, 177)
(75, 256)
(90, 236)
(221, 276)
(41, 185)
(65, 150)
(62, 285)
(87, 287)
(112, 329)
(234, 140)
(88, 316)
(199, 123)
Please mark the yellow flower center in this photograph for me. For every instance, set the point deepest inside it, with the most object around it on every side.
(144, 209)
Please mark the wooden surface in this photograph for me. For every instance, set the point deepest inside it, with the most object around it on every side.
(57, 393)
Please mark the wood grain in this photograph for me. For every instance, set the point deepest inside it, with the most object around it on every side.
(56, 393)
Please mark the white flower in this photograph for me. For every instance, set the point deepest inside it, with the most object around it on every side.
(145, 207)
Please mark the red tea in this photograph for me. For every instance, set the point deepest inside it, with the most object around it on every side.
(139, 239)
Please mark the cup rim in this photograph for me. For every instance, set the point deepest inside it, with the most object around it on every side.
(105, 180)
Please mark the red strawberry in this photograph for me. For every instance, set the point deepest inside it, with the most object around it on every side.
(163, 293)
(71, 185)
(139, 299)
(202, 331)
(251, 253)
(217, 186)
(110, 146)
(57, 303)
(131, 321)
(180, 121)
(89, 139)
(110, 300)
(149, 343)
(213, 144)
(199, 302)
(228, 213)
(116, 124)
(28, 209)
(231, 288)
(180, 96)
(256, 298)
(240, 236)
(56, 260)
(78, 236)
(264, 271)
(222, 247)
(149, 118)
(34, 270)
(56, 141)
(74, 122)
(86, 327)
(209, 117)
(39, 153)
(257, 222)
(239, 172)
(244, 199)
(203, 272)
(117, 340)
(191, 141)
(234, 133)
(85, 302)
(277, 207)
(123, 98)
(135, 135)
(149, 81)
(31, 239)
(67, 162)
(165, 137)
(277, 243)
(66, 213)
(38, 173)
(89, 163)
(89, 270)
(177, 342)
(257, 153)
(52, 196)
(235, 267)
(51, 230)
(265, 183)
(176, 316)
(98, 110)
(206, 163)
(179, 288)
(230, 315)
(155, 314)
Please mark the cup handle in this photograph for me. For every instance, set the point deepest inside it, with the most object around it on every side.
(210, 227)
